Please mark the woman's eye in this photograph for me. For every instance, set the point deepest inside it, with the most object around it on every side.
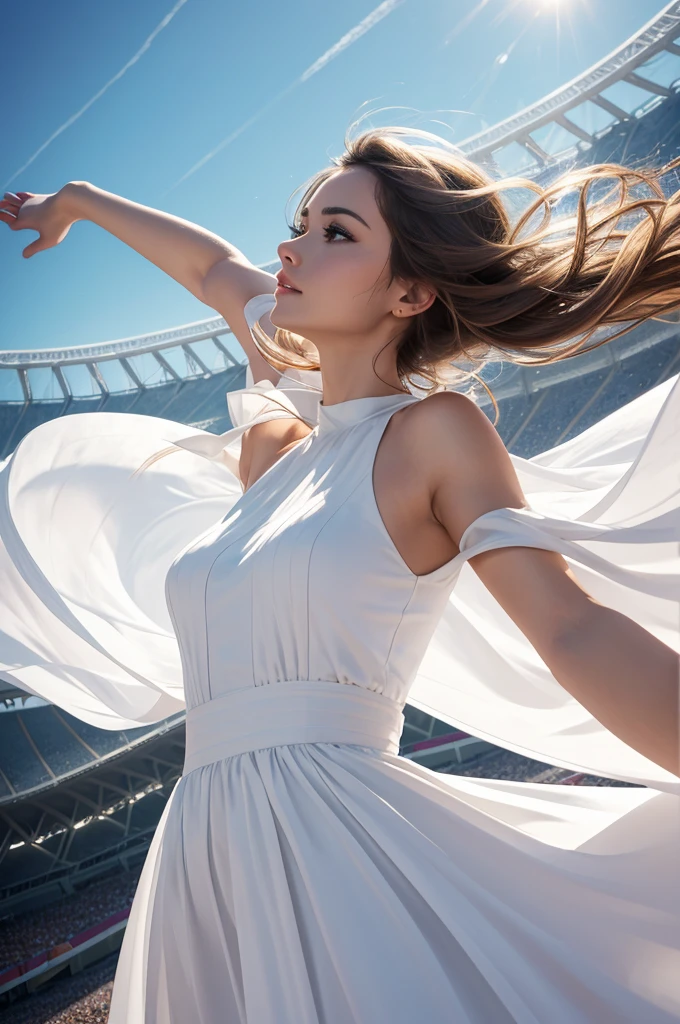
(330, 232)
(335, 229)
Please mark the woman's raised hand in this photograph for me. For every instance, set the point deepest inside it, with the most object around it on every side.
(50, 215)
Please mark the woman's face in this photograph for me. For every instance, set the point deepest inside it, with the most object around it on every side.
(339, 265)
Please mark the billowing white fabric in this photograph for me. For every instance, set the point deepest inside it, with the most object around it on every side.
(301, 869)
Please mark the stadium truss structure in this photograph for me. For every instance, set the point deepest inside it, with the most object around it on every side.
(75, 800)
(625, 65)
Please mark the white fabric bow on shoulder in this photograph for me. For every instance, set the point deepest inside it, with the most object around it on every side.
(297, 395)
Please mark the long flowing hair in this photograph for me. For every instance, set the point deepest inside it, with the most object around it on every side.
(527, 293)
(524, 292)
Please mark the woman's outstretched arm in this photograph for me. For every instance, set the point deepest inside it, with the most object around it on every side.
(212, 269)
(623, 675)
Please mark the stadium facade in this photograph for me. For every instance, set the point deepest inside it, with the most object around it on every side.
(76, 801)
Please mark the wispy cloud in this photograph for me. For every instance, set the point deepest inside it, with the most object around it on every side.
(342, 44)
(234, 135)
(133, 60)
(351, 37)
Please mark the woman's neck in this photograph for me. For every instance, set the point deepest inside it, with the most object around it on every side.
(344, 378)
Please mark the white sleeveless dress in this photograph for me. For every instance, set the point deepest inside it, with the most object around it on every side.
(302, 871)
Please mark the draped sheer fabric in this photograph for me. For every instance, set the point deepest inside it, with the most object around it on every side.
(323, 877)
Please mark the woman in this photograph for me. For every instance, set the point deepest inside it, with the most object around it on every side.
(313, 565)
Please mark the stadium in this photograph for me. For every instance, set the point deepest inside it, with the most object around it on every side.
(79, 805)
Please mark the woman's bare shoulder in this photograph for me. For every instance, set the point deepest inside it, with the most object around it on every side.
(462, 460)
(449, 423)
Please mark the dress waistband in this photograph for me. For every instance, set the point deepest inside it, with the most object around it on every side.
(293, 711)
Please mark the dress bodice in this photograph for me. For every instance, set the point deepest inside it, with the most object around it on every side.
(301, 579)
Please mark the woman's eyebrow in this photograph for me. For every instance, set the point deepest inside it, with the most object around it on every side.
(329, 210)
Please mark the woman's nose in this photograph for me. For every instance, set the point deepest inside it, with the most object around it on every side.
(287, 253)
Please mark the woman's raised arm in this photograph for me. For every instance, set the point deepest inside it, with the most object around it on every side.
(210, 268)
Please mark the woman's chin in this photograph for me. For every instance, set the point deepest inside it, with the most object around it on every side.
(282, 322)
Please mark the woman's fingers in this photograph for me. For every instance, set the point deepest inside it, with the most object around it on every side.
(16, 198)
(10, 206)
(8, 216)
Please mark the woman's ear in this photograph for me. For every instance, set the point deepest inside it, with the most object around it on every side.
(416, 298)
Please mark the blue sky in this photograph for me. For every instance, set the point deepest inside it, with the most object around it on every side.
(204, 70)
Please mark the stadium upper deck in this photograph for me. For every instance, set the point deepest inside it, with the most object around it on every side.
(54, 773)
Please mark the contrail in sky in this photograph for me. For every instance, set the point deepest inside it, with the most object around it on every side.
(464, 22)
(67, 124)
(350, 37)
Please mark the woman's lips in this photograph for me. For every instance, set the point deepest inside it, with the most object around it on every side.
(284, 289)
